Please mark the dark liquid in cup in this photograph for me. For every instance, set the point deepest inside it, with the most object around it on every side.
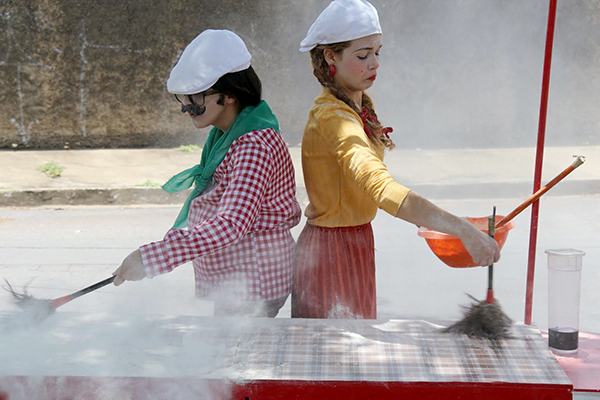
(563, 339)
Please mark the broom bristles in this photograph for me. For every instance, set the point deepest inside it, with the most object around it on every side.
(20, 299)
(484, 320)
(33, 309)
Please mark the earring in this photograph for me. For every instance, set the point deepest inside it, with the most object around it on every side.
(332, 70)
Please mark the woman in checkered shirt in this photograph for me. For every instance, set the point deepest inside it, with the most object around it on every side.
(243, 204)
(346, 180)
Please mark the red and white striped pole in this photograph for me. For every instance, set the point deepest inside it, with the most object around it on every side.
(539, 159)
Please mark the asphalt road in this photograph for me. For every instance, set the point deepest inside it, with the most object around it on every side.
(56, 251)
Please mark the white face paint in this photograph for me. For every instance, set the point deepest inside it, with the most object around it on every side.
(358, 63)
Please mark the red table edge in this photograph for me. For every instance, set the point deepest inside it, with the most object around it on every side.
(579, 374)
(139, 387)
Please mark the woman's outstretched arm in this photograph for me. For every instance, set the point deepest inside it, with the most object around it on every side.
(419, 211)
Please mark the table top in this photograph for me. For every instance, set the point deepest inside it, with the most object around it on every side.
(70, 344)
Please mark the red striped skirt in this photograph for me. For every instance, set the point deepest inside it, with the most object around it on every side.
(335, 273)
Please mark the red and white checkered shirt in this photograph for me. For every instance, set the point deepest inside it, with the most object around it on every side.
(238, 234)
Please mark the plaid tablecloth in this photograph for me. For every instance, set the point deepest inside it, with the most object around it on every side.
(390, 351)
(273, 349)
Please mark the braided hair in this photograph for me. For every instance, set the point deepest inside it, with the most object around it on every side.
(366, 111)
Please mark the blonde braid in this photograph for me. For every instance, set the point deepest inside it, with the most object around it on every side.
(374, 125)
(321, 72)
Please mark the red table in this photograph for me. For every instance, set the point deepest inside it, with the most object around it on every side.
(583, 368)
(110, 356)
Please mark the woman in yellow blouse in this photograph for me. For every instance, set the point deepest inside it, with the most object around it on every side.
(346, 180)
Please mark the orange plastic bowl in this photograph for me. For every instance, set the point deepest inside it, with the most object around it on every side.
(451, 250)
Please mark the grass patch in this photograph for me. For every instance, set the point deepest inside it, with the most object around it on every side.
(190, 148)
(5, 187)
(149, 183)
(51, 169)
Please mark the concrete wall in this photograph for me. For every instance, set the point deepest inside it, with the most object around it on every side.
(455, 73)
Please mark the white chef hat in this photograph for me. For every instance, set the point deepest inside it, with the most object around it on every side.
(341, 21)
(212, 54)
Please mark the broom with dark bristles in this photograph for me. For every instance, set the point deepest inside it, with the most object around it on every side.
(485, 318)
(36, 310)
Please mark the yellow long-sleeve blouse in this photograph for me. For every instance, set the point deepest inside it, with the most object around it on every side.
(345, 177)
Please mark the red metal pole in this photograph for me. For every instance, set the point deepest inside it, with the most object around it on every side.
(539, 159)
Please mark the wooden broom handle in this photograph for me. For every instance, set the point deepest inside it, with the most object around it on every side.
(578, 161)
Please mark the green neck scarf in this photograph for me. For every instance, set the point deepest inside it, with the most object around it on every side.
(216, 147)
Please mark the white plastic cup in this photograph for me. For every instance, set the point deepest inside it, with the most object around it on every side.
(564, 297)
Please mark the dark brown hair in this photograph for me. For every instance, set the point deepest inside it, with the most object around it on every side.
(321, 72)
(244, 86)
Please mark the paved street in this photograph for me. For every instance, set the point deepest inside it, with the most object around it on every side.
(56, 251)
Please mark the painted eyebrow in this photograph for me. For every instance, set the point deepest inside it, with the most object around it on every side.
(367, 48)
